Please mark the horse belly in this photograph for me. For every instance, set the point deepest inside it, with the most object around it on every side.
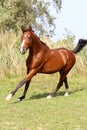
(52, 65)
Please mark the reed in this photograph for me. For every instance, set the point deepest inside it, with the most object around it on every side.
(12, 63)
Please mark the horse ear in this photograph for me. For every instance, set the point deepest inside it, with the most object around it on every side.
(22, 28)
(30, 28)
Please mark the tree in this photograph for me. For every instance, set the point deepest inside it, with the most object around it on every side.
(14, 13)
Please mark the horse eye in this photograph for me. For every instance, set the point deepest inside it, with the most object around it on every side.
(29, 38)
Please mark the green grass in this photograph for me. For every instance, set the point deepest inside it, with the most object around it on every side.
(38, 113)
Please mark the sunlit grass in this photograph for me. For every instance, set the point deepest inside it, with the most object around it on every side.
(36, 112)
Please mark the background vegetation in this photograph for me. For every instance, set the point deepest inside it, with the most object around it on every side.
(12, 63)
(37, 13)
(36, 112)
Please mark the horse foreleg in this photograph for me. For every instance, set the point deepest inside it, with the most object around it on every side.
(25, 91)
(15, 90)
(27, 79)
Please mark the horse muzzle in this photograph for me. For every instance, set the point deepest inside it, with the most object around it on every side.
(22, 50)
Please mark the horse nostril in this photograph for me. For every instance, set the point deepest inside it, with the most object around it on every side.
(22, 50)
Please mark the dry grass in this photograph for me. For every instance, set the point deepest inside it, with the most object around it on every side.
(13, 63)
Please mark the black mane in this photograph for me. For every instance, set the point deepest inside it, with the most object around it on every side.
(43, 43)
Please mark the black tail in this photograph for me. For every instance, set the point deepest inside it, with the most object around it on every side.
(80, 45)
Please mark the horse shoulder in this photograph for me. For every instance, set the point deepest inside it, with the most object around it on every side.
(36, 61)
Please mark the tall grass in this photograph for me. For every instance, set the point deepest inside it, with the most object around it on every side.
(12, 63)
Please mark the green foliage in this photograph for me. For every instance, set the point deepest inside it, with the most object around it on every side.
(14, 13)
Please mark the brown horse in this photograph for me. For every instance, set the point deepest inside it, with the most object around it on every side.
(42, 59)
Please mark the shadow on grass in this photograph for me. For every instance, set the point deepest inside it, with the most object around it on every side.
(38, 96)
(44, 95)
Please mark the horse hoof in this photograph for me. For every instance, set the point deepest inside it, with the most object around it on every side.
(19, 100)
(8, 97)
(66, 94)
(49, 97)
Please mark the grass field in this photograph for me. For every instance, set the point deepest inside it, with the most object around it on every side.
(38, 113)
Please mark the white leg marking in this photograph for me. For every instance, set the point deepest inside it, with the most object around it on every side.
(8, 97)
(49, 96)
(67, 93)
(19, 100)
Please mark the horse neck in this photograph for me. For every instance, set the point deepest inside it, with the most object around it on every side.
(37, 46)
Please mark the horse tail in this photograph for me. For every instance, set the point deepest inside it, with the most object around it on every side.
(81, 43)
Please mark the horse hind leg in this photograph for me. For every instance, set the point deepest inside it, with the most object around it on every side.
(62, 79)
(58, 87)
(68, 68)
(66, 86)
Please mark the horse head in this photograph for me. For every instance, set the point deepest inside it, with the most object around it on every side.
(26, 39)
